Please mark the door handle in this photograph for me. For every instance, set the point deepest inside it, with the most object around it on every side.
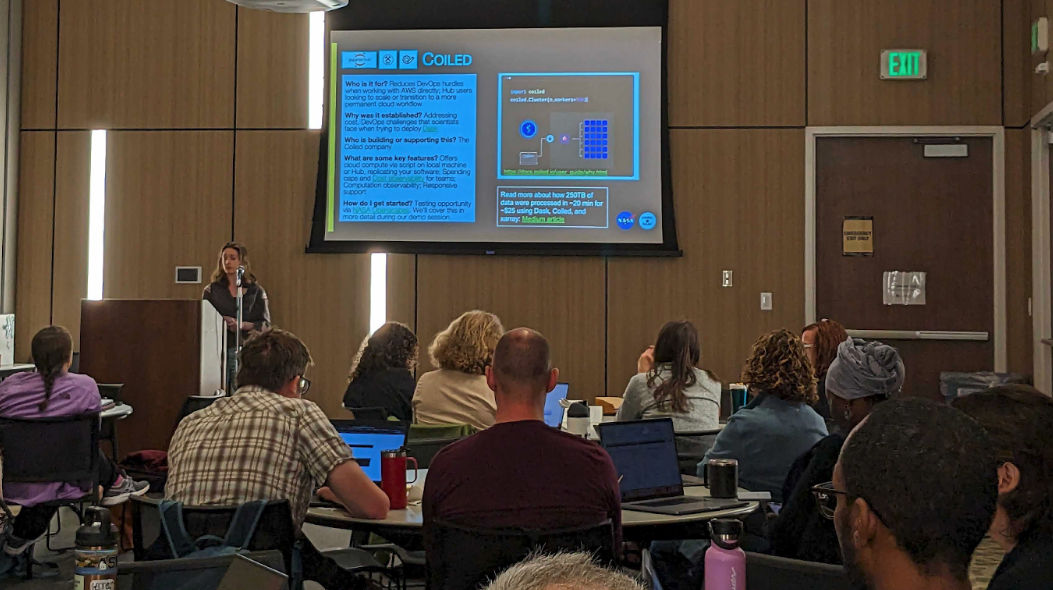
(919, 335)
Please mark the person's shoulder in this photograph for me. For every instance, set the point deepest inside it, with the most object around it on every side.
(637, 384)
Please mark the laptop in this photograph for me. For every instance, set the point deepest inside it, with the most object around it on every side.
(554, 411)
(368, 438)
(246, 574)
(644, 455)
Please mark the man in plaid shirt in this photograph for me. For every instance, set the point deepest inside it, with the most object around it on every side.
(267, 443)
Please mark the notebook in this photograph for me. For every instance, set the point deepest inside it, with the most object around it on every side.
(368, 438)
(554, 411)
(644, 455)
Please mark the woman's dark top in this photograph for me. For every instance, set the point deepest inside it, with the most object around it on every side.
(800, 532)
(1029, 565)
(254, 302)
(391, 389)
(823, 405)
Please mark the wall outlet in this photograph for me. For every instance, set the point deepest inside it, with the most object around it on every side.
(726, 279)
(765, 301)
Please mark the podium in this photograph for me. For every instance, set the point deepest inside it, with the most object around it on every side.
(162, 350)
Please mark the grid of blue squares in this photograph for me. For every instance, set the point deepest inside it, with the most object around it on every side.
(594, 139)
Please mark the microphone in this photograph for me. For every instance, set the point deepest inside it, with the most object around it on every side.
(241, 274)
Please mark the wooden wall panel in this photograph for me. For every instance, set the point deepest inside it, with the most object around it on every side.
(144, 64)
(36, 182)
(39, 62)
(563, 298)
(162, 209)
(1018, 250)
(272, 69)
(70, 271)
(739, 207)
(845, 40)
(736, 63)
(1016, 62)
(323, 299)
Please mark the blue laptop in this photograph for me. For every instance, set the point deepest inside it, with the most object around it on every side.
(368, 438)
(554, 411)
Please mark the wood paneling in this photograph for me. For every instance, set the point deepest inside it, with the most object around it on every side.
(1019, 342)
(739, 207)
(563, 298)
(36, 184)
(146, 64)
(402, 289)
(272, 69)
(845, 41)
(1016, 62)
(323, 299)
(736, 63)
(70, 272)
(162, 210)
(39, 62)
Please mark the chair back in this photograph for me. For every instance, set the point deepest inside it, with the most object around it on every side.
(425, 449)
(274, 531)
(691, 448)
(38, 450)
(372, 414)
(194, 403)
(464, 558)
(437, 431)
(767, 572)
(192, 574)
(111, 390)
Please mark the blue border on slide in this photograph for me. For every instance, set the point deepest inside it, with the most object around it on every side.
(636, 126)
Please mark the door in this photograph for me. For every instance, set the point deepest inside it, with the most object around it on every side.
(930, 214)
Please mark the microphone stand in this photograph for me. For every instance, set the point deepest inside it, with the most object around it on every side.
(237, 329)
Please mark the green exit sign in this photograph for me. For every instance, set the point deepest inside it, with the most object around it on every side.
(904, 64)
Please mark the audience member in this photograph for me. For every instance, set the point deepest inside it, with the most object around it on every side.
(382, 373)
(913, 494)
(267, 443)
(53, 392)
(1019, 421)
(456, 393)
(521, 472)
(821, 340)
(863, 375)
(670, 384)
(778, 425)
(563, 571)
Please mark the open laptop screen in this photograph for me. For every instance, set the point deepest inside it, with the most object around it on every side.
(554, 411)
(644, 455)
(367, 442)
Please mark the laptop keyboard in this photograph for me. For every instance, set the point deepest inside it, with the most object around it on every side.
(668, 502)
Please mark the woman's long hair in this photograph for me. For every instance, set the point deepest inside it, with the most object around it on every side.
(52, 348)
(392, 346)
(220, 276)
(677, 346)
(828, 336)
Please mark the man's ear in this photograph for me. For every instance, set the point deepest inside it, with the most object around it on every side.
(1008, 478)
(491, 381)
(553, 379)
(865, 524)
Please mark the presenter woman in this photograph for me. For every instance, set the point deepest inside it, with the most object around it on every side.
(223, 295)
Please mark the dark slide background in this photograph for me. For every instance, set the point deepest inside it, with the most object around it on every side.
(498, 14)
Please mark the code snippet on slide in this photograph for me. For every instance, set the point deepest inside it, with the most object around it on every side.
(570, 207)
(407, 150)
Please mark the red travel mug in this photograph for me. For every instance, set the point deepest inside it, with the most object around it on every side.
(393, 476)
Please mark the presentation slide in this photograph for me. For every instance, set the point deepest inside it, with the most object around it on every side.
(519, 136)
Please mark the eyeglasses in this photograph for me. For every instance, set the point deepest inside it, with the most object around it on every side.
(826, 498)
(808, 345)
(305, 385)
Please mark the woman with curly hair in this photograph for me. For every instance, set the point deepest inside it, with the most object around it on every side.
(778, 425)
(456, 393)
(382, 372)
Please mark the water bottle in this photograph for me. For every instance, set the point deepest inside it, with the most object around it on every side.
(96, 552)
(725, 560)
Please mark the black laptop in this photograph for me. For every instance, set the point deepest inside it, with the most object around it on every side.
(644, 455)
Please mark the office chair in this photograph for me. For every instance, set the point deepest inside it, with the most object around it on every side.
(767, 572)
(691, 448)
(197, 574)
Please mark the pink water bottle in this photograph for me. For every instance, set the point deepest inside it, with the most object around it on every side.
(725, 560)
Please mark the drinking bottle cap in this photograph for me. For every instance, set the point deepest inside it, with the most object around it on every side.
(725, 532)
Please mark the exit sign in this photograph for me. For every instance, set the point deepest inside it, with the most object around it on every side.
(904, 64)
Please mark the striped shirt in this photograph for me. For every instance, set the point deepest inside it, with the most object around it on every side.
(254, 445)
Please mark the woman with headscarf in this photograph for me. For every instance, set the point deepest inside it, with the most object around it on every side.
(863, 375)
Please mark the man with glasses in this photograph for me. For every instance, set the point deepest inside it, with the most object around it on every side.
(266, 442)
(913, 494)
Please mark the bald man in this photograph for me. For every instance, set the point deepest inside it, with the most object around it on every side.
(521, 472)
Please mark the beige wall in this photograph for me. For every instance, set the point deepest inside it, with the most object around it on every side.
(208, 107)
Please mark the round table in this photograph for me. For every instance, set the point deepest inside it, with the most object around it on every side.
(636, 526)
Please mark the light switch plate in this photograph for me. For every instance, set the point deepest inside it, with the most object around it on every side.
(765, 301)
(726, 279)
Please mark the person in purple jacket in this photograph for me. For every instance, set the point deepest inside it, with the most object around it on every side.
(50, 392)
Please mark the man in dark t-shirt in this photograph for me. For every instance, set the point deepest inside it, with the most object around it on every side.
(521, 472)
